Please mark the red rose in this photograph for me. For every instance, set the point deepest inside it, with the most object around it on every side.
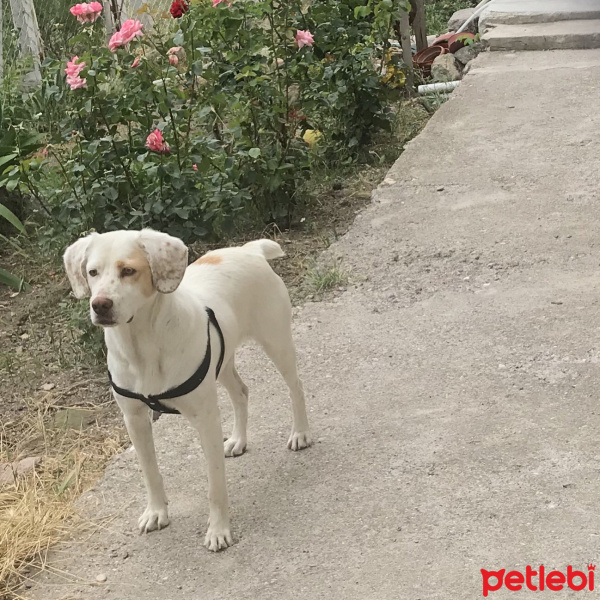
(178, 8)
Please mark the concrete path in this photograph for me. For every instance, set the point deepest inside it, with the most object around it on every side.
(453, 389)
(541, 24)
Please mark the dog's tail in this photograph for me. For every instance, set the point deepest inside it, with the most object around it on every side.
(267, 248)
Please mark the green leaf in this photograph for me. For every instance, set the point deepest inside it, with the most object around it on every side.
(13, 281)
(11, 185)
(254, 152)
(360, 12)
(197, 68)
(8, 158)
(11, 218)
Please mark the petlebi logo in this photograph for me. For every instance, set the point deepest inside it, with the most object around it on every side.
(539, 580)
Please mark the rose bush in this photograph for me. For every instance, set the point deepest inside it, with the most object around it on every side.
(204, 122)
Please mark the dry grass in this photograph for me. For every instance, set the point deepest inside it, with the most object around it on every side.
(37, 510)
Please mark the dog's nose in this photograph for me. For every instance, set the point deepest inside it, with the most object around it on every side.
(101, 306)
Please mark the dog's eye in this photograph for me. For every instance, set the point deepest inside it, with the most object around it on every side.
(93, 272)
(127, 272)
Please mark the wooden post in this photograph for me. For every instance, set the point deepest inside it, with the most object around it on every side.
(419, 26)
(407, 52)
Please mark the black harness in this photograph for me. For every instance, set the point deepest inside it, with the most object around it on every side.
(154, 400)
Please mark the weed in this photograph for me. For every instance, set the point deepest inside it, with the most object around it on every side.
(321, 278)
(437, 13)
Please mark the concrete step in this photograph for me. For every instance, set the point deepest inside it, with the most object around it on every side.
(562, 35)
(521, 12)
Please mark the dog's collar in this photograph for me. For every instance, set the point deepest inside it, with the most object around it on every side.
(154, 400)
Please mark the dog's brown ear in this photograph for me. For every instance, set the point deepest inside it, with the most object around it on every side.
(167, 257)
(75, 259)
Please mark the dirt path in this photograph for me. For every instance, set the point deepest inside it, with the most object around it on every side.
(452, 388)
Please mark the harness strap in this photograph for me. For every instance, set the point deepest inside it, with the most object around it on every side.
(154, 400)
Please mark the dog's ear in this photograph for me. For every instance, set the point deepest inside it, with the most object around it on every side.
(167, 257)
(75, 259)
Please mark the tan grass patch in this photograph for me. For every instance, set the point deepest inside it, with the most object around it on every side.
(38, 509)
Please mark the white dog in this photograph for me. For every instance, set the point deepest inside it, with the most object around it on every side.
(166, 346)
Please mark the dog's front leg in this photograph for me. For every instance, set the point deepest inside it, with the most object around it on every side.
(203, 413)
(139, 427)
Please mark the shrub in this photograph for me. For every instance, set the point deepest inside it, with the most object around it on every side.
(211, 119)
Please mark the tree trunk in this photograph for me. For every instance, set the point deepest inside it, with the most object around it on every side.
(1, 46)
(407, 52)
(25, 21)
(418, 24)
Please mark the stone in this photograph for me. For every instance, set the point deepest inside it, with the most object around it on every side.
(468, 53)
(101, 578)
(459, 17)
(8, 471)
(73, 418)
(445, 68)
(48, 386)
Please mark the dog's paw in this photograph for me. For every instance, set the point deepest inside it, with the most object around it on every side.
(234, 446)
(153, 518)
(218, 538)
(299, 440)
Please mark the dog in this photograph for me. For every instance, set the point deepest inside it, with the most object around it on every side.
(171, 331)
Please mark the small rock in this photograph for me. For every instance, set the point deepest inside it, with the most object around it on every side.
(8, 471)
(101, 578)
(445, 68)
(441, 188)
(28, 464)
(25, 336)
(468, 53)
(73, 418)
(48, 386)
(459, 17)
(19, 350)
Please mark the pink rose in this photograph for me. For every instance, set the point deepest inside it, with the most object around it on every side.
(76, 82)
(73, 69)
(128, 32)
(135, 63)
(304, 38)
(156, 142)
(195, 167)
(172, 54)
(217, 2)
(86, 13)
(72, 72)
(115, 41)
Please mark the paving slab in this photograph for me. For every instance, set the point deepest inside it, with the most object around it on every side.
(520, 12)
(452, 389)
(561, 35)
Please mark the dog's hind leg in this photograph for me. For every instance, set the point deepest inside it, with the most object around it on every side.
(279, 346)
(238, 392)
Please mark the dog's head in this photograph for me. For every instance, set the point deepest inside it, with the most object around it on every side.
(122, 271)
